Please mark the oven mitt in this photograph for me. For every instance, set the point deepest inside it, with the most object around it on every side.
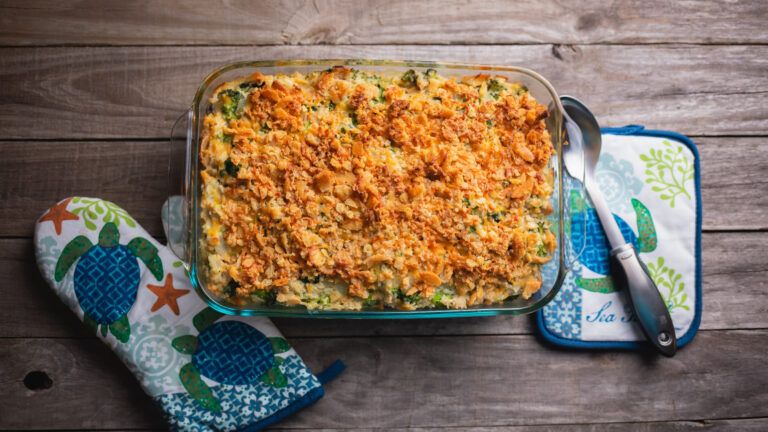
(651, 183)
(205, 370)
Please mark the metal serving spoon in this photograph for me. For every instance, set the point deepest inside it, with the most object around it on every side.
(628, 270)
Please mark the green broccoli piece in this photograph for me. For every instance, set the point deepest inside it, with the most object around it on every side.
(230, 102)
(227, 139)
(268, 296)
(381, 98)
(230, 288)
(310, 279)
(412, 299)
(250, 85)
(408, 79)
(441, 294)
(436, 298)
(495, 88)
(230, 168)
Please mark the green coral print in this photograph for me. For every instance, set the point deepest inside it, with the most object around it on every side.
(71, 253)
(186, 344)
(669, 284)
(91, 210)
(603, 285)
(279, 345)
(194, 384)
(147, 253)
(275, 377)
(121, 329)
(668, 170)
(205, 318)
(647, 240)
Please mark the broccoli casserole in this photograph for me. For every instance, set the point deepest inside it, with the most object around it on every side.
(345, 190)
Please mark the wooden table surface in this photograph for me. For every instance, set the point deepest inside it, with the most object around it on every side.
(89, 90)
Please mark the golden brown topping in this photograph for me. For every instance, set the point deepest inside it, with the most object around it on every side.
(401, 189)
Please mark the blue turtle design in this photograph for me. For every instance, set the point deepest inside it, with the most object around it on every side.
(228, 352)
(107, 277)
(587, 232)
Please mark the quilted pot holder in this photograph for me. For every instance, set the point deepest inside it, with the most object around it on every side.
(651, 182)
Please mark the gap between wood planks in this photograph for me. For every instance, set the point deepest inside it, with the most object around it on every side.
(399, 44)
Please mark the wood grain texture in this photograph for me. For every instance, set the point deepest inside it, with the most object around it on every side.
(745, 425)
(734, 170)
(137, 92)
(91, 388)
(76, 72)
(398, 382)
(735, 270)
(203, 22)
(36, 175)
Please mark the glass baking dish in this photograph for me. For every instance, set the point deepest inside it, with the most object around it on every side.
(181, 214)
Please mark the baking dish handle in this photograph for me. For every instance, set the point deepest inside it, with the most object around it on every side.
(175, 212)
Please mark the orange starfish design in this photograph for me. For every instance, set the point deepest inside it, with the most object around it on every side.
(58, 214)
(167, 295)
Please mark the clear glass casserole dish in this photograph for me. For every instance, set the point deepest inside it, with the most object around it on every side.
(181, 214)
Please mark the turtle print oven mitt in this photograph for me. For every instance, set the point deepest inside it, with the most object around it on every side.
(205, 370)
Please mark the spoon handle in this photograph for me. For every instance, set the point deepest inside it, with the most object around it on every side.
(611, 228)
(630, 273)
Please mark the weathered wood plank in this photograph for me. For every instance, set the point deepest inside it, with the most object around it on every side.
(759, 424)
(203, 22)
(137, 92)
(735, 267)
(91, 389)
(756, 424)
(734, 170)
(35, 175)
(734, 181)
(400, 382)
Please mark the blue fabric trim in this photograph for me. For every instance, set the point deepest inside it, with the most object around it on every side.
(331, 372)
(640, 130)
(308, 399)
(328, 374)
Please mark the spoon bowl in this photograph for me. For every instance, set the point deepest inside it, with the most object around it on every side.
(585, 140)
